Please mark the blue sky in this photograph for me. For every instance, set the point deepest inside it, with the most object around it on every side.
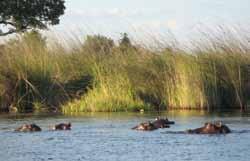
(149, 17)
(112, 17)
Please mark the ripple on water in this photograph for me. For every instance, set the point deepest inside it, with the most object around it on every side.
(108, 139)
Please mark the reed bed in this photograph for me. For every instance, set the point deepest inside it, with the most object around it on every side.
(100, 75)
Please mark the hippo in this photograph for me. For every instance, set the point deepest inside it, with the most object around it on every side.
(146, 126)
(62, 126)
(210, 128)
(162, 123)
(28, 128)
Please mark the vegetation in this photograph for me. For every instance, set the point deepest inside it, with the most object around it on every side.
(21, 15)
(99, 75)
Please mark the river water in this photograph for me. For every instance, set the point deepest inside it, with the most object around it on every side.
(108, 137)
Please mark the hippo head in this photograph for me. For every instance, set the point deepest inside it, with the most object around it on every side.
(162, 122)
(62, 126)
(218, 124)
(67, 126)
(222, 128)
(165, 119)
(28, 128)
(210, 128)
(146, 126)
(25, 127)
(142, 126)
(216, 128)
(157, 118)
(34, 127)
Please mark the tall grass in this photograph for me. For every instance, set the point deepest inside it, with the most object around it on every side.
(32, 74)
(101, 76)
(112, 89)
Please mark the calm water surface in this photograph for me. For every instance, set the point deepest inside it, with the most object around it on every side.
(108, 137)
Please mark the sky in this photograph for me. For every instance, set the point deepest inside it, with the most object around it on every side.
(149, 18)
(152, 17)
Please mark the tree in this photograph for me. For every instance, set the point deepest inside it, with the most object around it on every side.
(125, 41)
(125, 44)
(21, 15)
(98, 44)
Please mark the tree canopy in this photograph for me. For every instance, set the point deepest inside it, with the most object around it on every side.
(21, 15)
(98, 43)
(125, 41)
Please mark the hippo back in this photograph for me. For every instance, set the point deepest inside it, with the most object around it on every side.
(147, 126)
(162, 123)
(210, 128)
(28, 128)
(224, 129)
(63, 126)
(34, 127)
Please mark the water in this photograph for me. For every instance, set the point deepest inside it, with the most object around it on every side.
(108, 137)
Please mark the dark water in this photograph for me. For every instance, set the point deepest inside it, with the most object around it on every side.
(108, 137)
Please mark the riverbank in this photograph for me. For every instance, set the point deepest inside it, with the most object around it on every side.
(100, 75)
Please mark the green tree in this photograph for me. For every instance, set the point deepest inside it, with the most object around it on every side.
(21, 15)
(125, 44)
(125, 41)
(98, 43)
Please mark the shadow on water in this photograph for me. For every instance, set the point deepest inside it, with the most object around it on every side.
(179, 113)
(180, 116)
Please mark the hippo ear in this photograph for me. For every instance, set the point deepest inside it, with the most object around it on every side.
(219, 124)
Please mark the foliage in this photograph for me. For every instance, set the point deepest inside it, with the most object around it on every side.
(213, 75)
(125, 41)
(21, 15)
(98, 44)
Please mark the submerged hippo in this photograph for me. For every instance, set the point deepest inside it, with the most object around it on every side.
(146, 126)
(210, 128)
(28, 128)
(62, 126)
(162, 123)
